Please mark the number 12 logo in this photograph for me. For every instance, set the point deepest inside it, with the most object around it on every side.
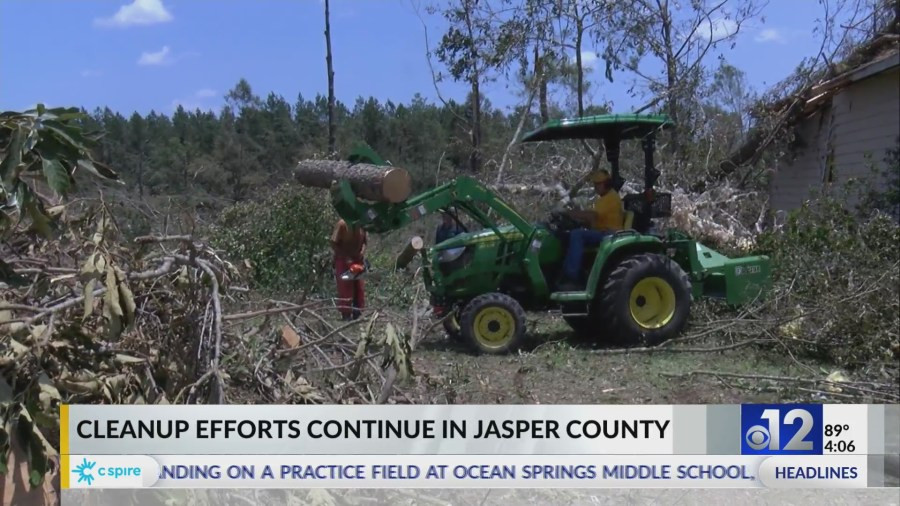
(765, 426)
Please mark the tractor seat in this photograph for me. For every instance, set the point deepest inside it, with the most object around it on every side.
(627, 224)
(629, 220)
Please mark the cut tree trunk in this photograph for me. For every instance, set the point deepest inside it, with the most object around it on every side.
(412, 248)
(370, 182)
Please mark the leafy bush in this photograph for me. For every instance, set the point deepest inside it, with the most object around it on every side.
(284, 237)
(388, 287)
(885, 195)
(42, 148)
(837, 281)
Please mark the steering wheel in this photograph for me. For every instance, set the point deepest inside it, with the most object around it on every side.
(561, 222)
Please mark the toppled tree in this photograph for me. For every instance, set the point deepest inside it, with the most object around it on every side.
(852, 32)
(41, 151)
(88, 317)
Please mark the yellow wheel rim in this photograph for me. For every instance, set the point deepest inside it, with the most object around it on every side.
(494, 326)
(652, 303)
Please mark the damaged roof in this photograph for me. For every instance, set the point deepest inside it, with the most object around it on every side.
(880, 54)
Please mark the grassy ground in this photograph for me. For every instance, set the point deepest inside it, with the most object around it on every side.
(557, 368)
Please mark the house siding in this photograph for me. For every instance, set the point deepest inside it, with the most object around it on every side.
(860, 124)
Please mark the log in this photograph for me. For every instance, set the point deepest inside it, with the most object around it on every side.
(370, 182)
(409, 252)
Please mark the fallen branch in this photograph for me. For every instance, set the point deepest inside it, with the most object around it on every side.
(329, 335)
(145, 239)
(277, 310)
(670, 349)
(219, 392)
(413, 341)
(851, 385)
(515, 137)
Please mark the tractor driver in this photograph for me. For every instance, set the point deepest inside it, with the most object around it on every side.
(447, 229)
(604, 219)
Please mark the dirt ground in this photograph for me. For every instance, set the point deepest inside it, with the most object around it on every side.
(557, 368)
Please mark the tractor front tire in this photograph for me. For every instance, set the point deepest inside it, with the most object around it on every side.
(645, 300)
(493, 324)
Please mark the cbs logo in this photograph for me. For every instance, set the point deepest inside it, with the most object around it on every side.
(757, 437)
(760, 437)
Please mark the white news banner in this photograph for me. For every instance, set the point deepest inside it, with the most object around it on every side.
(467, 471)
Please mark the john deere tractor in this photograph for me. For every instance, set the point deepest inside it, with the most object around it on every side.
(638, 283)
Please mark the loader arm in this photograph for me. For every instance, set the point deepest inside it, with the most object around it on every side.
(463, 192)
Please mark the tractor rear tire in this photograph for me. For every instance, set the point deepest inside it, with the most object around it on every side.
(645, 300)
(493, 324)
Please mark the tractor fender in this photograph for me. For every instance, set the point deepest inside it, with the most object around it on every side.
(613, 250)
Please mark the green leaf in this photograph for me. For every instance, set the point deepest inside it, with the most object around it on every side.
(112, 293)
(6, 395)
(9, 166)
(88, 299)
(41, 109)
(95, 136)
(5, 221)
(67, 134)
(98, 169)
(128, 359)
(127, 298)
(64, 111)
(35, 477)
(4, 443)
(34, 449)
(57, 175)
(31, 139)
(40, 221)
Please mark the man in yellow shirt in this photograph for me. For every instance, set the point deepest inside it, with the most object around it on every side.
(605, 219)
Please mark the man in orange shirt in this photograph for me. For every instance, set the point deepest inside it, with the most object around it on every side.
(604, 219)
(349, 246)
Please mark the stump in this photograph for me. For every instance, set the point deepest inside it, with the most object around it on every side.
(414, 245)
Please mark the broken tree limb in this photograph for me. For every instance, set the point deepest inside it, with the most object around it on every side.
(512, 142)
(557, 190)
(412, 248)
(370, 182)
(759, 140)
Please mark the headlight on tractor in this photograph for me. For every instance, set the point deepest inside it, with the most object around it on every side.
(451, 254)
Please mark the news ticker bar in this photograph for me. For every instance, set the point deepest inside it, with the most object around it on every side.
(469, 446)
(751, 429)
(478, 471)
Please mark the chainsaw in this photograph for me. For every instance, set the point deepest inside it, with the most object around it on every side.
(356, 271)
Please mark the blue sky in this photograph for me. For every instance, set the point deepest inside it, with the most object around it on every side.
(154, 54)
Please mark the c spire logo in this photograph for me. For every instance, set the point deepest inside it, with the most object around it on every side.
(85, 471)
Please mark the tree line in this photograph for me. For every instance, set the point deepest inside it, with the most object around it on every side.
(666, 49)
(253, 142)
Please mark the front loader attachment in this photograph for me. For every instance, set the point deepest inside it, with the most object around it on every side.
(736, 280)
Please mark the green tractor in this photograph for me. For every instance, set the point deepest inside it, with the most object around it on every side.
(638, 283)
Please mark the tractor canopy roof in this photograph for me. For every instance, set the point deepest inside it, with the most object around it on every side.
(602, 126)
